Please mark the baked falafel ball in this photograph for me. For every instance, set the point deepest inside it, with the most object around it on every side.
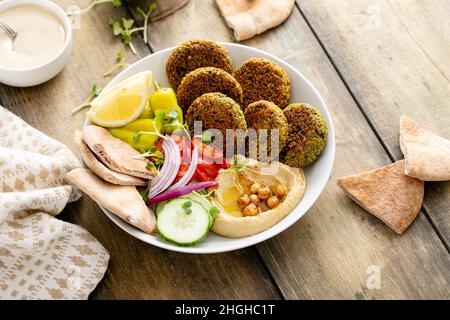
(265, 115)
(262, 79)
(205, 80)
(216, 111)
(196, 54)
(307, 136)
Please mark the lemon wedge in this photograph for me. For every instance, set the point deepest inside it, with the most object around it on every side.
(122, 103)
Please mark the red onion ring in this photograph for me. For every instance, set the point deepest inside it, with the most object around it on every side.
(189, 173)
(171, 166)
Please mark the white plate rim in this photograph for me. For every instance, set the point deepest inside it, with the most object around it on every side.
(264, 235)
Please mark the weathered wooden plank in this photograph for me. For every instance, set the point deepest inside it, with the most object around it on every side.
(328, 252)
(393, 56)
(136, 270)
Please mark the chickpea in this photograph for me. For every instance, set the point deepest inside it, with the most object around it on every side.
(243, 201)
(272, 202)
(254, 188)
(254, 198)
(251, 210)
(279, 190)
(264, 193)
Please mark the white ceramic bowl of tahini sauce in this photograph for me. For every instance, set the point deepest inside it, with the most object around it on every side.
(42, 46)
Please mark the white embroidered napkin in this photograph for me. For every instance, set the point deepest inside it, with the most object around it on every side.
(41, 257)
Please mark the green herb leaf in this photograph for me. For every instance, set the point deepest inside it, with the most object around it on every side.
(116, 27)
(127, 23)
(207, 137)
(238, 162)
(96, 91)
(116, 3)
(187, 207)
(172, 114)
(214, 211)
(158, 154)
(120, 57)
(186, 204)
(87, 103)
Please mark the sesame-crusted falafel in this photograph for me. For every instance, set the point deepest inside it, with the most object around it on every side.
(307, 136)
(205, 80)
(216, 111)
(196, 54)
(265, 115)
(262, 79)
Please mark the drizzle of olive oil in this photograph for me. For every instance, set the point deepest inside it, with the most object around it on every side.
(228, 201)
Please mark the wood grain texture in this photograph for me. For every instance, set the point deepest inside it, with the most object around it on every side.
(394, 57)
(327, 253)
(136, 269)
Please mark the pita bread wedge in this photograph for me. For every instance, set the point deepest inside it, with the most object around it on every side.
(427, 155)
(251, 17)
(107, 174)
(123, 201)
(114, 153)
(387, 193)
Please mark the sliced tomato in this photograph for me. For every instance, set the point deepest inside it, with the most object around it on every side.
(184, 167)
(208, 152)
(223, 164)
(206, 171)
(201, 176)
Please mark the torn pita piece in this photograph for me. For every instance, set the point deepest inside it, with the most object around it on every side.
(114, 153)
(427, 155)
(123, 201)
(251, 17)
(387, 193)
(105, 173)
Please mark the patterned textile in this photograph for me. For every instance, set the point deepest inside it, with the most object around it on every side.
(41, 257)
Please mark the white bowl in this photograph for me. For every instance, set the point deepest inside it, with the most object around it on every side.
(36, 75)
(316, 175)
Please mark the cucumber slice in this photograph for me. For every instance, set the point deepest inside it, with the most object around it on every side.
(207, 205)
(181, 228)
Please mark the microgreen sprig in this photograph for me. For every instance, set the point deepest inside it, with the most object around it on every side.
(123, 29)
(87, 103)
(115, 3)
(151, 9)
(187, 207)
(120, 63)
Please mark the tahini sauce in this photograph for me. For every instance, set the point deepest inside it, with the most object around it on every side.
(40, 36)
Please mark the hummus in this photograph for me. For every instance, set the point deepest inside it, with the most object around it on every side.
(230, 222)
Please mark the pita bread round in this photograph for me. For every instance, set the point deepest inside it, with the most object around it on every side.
(387, 193)
(107, 174)
(427, 155)
(251, 17)
(123, 201)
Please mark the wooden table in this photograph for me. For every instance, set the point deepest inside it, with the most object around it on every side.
(372, 60)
